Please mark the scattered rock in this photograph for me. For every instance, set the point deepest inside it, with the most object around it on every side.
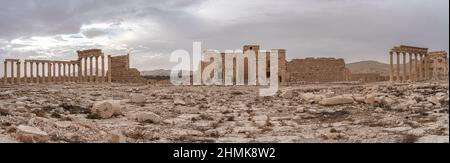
(287, 94)
(149, 117)
(179, 101)
(336, 101)
(116, 137)
(137, 98)
(106, 109)
(28, 134)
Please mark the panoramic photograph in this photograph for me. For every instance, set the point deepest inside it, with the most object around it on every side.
(224, 71)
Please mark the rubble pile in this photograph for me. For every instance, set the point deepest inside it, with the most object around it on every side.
(117, 113)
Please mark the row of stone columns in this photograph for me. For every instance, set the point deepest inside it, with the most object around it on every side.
(66, 71)
(84, 77)
(5, 76)
(418, 69)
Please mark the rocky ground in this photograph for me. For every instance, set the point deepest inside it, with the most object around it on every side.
(352, 113)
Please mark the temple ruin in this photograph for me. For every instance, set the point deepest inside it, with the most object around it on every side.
(438, 69)
(88, 68)
(256, 49)
(121, 71)
(317, 70)
(424, 65)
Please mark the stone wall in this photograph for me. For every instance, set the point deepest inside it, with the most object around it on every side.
(437, 65)
(121, 71)
(317, 70)
(255, 48)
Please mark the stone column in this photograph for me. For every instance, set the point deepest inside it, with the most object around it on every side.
(416, 69)
(31, 73)
(398, 67)
(54, 72)
(391, 67)
(18, 73)
(91, 76)
(59, 72)
(411, 78)
(69, 75)
(5, 72)
(25, 73)
(109, 69)
(404, 67)
(96, 69)
(425, 67)
(85, 70)
(49, 72)
(103, 68)
(420, 66)
(37, 72)
(12, 72)
(79, 71)
(74, 79)
(64, 73)
(43, 72)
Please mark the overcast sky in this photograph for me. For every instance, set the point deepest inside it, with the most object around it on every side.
(150, 30)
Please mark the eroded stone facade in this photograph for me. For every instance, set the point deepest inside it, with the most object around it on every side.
(438, 69)
(317, 70)
(121, 71)
(255, 48)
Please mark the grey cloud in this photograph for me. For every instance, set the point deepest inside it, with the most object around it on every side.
(94, 33)
(351, 29)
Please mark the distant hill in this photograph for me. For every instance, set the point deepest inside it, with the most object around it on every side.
(369, 67)
(160, 72)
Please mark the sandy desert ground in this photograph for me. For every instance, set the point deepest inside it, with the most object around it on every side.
(320, 113)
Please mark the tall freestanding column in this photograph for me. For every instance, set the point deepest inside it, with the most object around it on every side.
(25, 73)
(85, 70)
(109, 69)
(18, 72)
(5, 72)
(12, 72)
(91, 76)
(391, 66)
(103, 68)
(96, 69)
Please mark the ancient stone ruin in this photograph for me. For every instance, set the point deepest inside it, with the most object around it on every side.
(121, 71)
(368, 77)
(424, 66)
(88, 68)
(255, 48)
(317, 70)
